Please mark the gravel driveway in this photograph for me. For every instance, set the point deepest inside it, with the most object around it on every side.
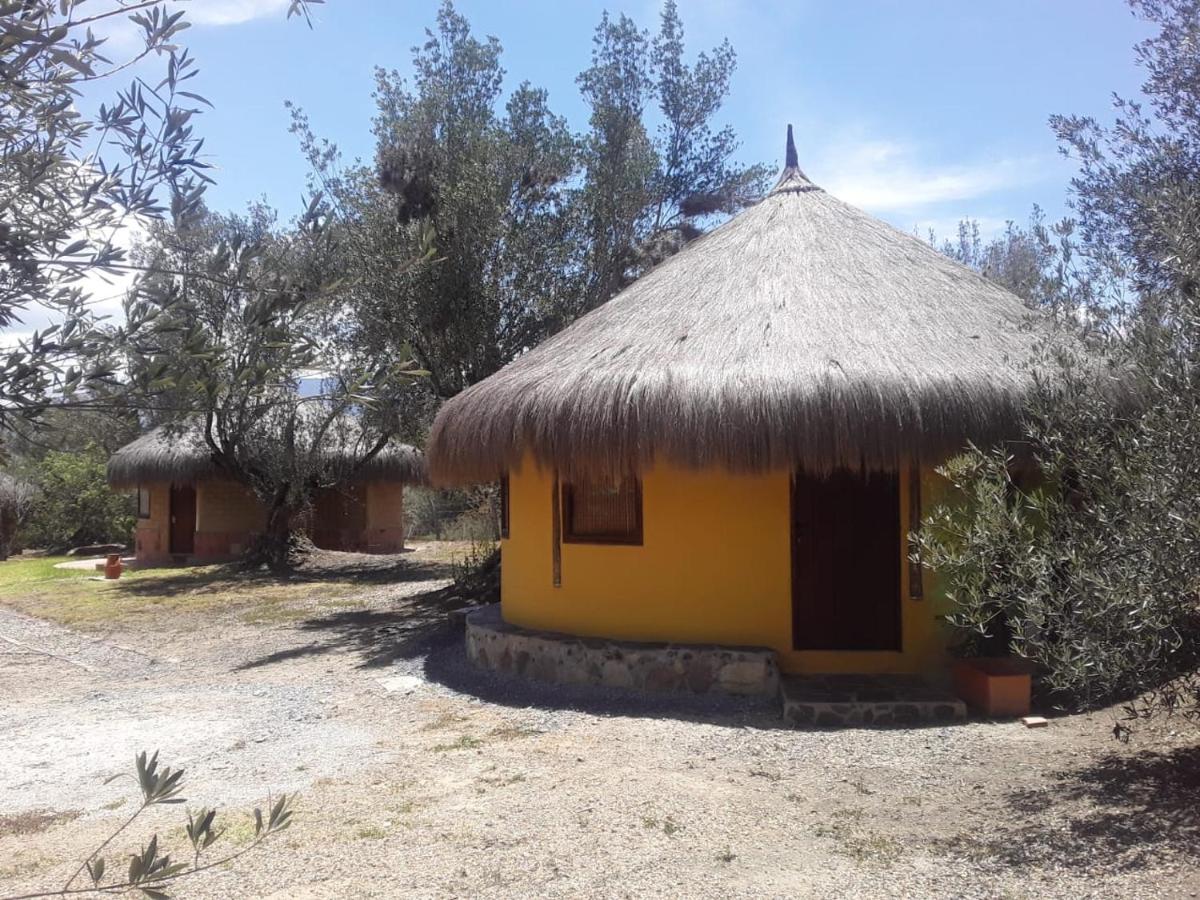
(419, 776)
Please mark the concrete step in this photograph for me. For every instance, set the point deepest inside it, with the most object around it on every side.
(828, 701)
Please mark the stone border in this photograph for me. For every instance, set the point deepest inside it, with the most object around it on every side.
(558, 658)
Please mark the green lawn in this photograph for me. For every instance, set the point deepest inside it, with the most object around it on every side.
(81, 597)
(151, 597)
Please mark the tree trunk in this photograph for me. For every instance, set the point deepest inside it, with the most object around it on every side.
(276, 547)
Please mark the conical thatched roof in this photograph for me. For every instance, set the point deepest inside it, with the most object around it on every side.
(802, 332)
(179, 455)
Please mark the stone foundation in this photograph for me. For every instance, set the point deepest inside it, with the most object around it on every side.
(566, 659)
(840, 700)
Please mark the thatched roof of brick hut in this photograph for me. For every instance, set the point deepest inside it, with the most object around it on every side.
(802, 332)
(178, 454)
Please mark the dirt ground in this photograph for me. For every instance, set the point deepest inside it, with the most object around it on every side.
(419, 776)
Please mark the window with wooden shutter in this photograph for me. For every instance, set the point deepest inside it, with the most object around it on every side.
(599, 512)
(143, 502)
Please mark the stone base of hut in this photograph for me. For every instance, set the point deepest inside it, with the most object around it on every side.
(820, 701)
(494, 644)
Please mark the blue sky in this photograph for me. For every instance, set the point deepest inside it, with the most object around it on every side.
(922, 112)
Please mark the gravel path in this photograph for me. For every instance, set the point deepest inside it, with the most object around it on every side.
(420, 776)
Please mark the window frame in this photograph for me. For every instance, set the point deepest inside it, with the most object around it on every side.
(143, 491)
(632, 539)
(505, 513)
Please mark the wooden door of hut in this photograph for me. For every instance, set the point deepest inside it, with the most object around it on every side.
(846, 561)
(183, 519)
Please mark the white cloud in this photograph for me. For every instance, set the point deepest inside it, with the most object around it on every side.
(233, 12)
(124, 38)
(885, 176)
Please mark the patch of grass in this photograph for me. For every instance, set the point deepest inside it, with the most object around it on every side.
(860, 787)
(445, 720)
(370, 833)
(20, 868)
(503, 780)
(35, 821)
(510, 732)
(668, 825)
(767, 774)
(872, 848)
(239, 832)
(465, 742)
(76, 597)
(726, 856)
(21, 572)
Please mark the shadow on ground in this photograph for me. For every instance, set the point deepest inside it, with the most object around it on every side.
(1126, 809)
(409, 630)
(325, 566)
(416, 637)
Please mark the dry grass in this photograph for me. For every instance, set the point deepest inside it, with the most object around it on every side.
(34, 821)
(159, 597)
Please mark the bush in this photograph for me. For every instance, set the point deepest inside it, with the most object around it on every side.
(453, 515)
(1092, 573)
(16, 502)
(75, 505)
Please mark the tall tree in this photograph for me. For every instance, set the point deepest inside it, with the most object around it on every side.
(250, 317)
(72, 183)
(528, 226)
(1091, 571)
(475, 187)
(1150, 149)
(647, 190)
(1044, 266)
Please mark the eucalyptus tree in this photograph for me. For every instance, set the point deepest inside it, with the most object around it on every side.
(649, 189)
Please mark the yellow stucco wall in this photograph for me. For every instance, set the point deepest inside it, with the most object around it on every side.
(385, 505)
(714, 566)
(224, 506)
(151, 534)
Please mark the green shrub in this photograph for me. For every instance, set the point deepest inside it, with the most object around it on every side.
(1093, 573)
(75, 505)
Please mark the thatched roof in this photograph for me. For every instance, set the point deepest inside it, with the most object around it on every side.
(179, 455)
(802, 332)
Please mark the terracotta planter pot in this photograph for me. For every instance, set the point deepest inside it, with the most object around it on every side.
(994, 687)
(112, 568)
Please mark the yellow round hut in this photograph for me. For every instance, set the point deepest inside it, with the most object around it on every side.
(733, 449)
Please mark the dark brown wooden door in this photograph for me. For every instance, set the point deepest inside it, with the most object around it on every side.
(846, 562)
(183, 519)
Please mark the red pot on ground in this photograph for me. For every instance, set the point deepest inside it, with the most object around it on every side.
(112, 568)
(995, 687)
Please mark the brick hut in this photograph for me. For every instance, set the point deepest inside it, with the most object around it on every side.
(733, 449)
(188, 510)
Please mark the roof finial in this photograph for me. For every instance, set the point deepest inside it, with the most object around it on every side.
(792, 161)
